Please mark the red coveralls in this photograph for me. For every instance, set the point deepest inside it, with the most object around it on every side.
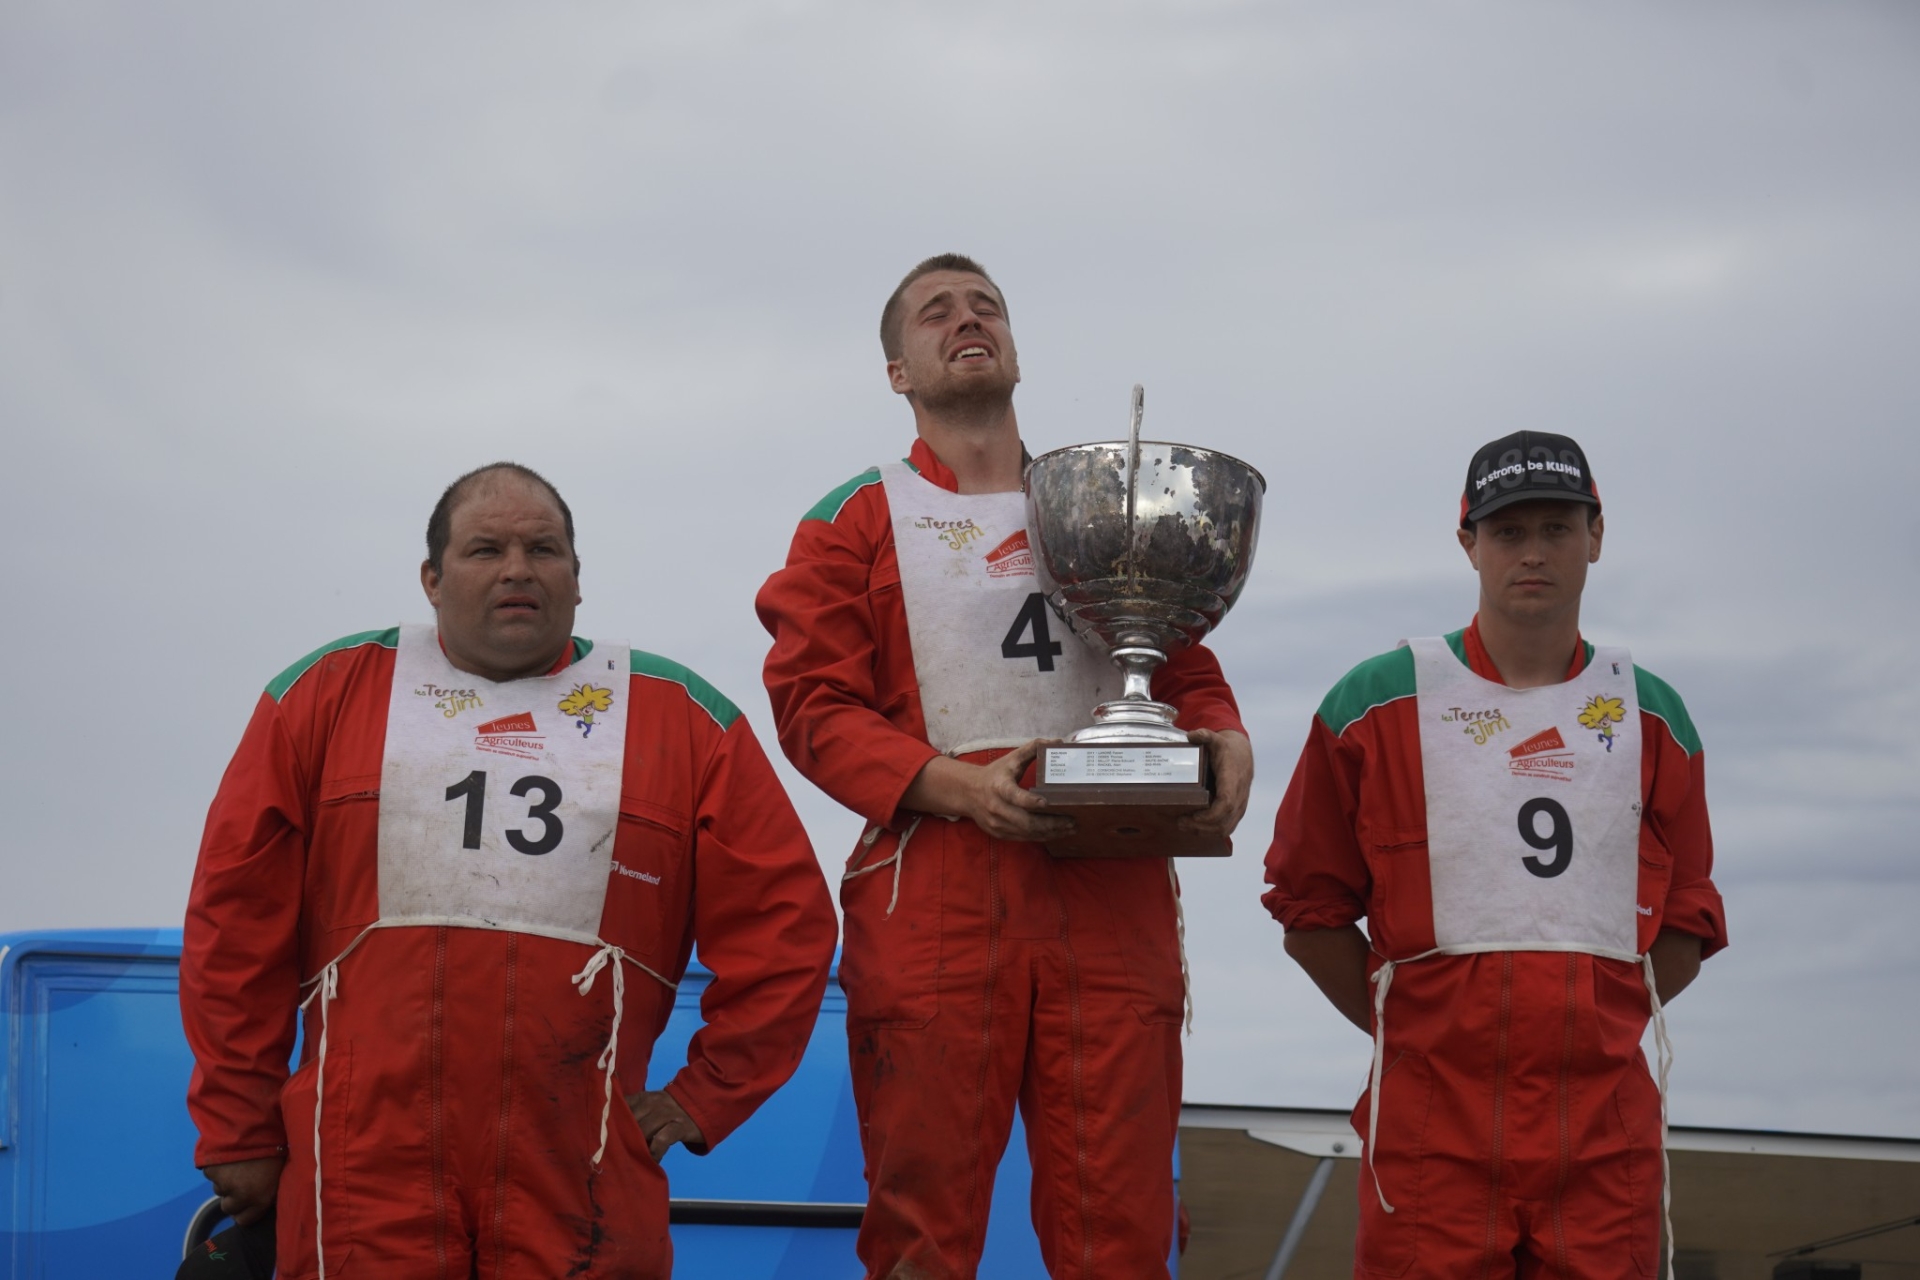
(1519, 1130)
(462, 1098)
(1002, 973)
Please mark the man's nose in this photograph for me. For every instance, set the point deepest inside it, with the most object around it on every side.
(515, 565)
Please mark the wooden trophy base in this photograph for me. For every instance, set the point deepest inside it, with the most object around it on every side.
(1126, 799)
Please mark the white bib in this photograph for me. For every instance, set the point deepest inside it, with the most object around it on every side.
(996, 667)
(499, 802)
(1533, 806)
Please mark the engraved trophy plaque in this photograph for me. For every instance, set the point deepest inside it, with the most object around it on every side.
(1141, 547)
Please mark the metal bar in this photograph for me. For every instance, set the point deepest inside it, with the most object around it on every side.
(1799, 1251)
(1309, 1201)
(763, 1213)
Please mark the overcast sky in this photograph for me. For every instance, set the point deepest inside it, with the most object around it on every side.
(270, 276)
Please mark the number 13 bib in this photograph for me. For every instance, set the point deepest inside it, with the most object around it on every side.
(499, 802)
(1533, 806)
(992, 672)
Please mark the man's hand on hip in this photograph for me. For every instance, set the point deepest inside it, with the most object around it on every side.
(1231, 756)
(664, 1122)
(990, 794)
(246, 1187)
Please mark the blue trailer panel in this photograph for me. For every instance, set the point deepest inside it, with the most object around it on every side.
(96, 1150)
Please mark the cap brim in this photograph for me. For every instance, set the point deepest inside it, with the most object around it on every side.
(1504, 500)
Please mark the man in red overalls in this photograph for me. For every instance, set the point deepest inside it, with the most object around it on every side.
(914, 664)
(478, 854)
(1521, 817)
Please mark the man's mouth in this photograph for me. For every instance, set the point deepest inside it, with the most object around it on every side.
(974, 352)
(517, 604)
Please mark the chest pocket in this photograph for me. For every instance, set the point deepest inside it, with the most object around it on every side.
(340, 791)
(343, 896)
(650, 885)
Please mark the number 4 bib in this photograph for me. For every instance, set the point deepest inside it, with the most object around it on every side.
(995, 667)
(499, 802)
(1533, 806)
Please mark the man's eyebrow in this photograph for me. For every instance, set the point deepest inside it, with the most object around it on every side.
(945, 295)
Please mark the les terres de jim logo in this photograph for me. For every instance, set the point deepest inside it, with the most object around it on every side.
(513, 735)
(1013, 558)
(1544, 755)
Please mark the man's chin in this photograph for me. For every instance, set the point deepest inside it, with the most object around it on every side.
(525, 648)
(971, 396)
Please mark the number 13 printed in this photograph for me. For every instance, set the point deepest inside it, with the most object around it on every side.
(474, 788)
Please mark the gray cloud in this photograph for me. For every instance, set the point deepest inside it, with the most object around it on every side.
(269, 279)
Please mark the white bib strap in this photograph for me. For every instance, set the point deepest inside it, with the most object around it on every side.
(1382, 980)
(896, 859)
(608, 954)
(326, 985)
(1180, 936)
(1663, 1058)
(584, 980)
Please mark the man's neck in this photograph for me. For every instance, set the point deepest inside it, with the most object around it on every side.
(505, 670)
(982, 450)
(1530, 653)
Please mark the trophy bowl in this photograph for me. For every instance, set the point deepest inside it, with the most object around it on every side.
(1141, 548)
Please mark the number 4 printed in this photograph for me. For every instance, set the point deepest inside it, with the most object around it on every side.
(1032, 617)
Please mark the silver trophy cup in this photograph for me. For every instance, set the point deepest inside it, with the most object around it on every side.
(1141, 547)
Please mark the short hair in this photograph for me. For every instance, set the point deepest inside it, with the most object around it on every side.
(890, 318)
(440, 523)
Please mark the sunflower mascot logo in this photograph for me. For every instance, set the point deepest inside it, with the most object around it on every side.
(1600, 714)
(583, 702)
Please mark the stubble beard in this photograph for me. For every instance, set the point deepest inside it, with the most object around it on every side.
(970, 401)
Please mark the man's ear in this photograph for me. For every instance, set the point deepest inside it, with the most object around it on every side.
(1468, 542)
(897, 377)
(1595, 531)
(430, 583)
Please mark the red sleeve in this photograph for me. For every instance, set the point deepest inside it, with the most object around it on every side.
(239, 963)
(1191, 682)
(1678, 833)
(1318, 873)
(822, 673)
(764, 925)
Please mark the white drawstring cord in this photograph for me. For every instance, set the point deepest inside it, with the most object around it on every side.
(1382, 979)
(608, 954)
(1180, 934)
(1663, 1058)
(584, 980)
(894, 859)
(326, 987)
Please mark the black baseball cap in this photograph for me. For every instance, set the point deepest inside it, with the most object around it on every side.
(1524, 467)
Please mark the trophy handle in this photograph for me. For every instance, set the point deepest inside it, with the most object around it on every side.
(1133, 477)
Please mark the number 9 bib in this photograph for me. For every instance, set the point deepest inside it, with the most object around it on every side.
(1533, 806)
